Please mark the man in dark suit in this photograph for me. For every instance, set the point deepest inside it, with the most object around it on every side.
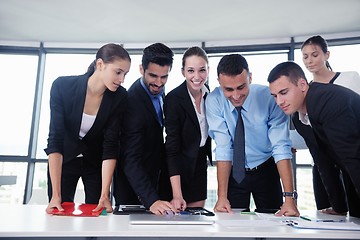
(141, 175)
(333, 112)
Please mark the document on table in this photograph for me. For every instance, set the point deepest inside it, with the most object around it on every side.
(305, 224)
(249, 223)
(325, 225)
(273, 217)
(264, 219)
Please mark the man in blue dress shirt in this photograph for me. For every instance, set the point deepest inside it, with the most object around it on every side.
(267, 143)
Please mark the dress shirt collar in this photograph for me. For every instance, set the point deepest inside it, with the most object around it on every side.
(304, 118)
(204, 91)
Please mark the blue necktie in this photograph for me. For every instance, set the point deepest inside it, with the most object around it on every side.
(158, 110)
(239, 149)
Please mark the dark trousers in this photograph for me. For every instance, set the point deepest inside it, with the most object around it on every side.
(263, 183)
(321, 196)
(123, 192)
(352, 195)
(72, 171)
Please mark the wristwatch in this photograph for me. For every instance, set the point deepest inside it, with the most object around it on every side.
(293, 194)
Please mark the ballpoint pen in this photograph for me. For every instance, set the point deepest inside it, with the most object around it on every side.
(305, 218)
(330, 220)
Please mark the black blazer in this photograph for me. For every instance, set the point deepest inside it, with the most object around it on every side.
(334, 113)
(142, 154)
(183, 134)
(325, 163)
(67, 99)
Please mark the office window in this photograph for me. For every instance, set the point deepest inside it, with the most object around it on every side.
(57, 65)
(17, 90)
(306, 199)
(344, 58)
(13, 193)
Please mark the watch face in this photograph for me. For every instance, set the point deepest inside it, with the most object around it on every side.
(295, 195)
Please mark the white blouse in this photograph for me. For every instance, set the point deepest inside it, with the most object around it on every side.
(87, 122)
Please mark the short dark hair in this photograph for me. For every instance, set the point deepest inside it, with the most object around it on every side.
(288, 69)
(232, 65)
(109, 53)
(194, 51)
(157, 53)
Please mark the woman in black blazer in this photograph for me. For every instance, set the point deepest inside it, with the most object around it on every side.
(187, 142)
(86, 113)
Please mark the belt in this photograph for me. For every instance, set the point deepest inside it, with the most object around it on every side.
(252, 169)
(264, 164)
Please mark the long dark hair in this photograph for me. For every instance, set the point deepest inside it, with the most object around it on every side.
(321, 42)
(109, 53)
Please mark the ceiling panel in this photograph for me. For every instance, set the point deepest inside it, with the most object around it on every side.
(139, 21)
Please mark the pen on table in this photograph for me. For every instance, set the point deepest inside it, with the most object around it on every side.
(305, 218)
(330, 220)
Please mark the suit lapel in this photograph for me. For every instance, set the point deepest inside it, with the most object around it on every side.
(145, 99)
(78, 107)
(186, 102)
(103, 113)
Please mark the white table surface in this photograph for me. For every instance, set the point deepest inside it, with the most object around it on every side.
(32, 221)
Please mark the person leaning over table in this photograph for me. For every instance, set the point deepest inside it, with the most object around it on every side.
(327, 177)
(83, 142)
(187, 142)
(333, 112)
(141, 174)
(267, 143)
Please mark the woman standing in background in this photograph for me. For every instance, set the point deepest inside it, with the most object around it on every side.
(86, 113)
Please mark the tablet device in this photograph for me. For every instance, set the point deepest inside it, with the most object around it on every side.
(129, 209)
(199, 211)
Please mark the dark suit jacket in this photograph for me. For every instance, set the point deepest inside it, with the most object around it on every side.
(142, 154)
(182, 134)
(67, 98)
(334, 113)
(325, 164)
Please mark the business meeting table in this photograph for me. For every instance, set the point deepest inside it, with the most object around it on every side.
(31, 222)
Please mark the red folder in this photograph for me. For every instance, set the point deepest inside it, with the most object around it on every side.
(77, 209)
